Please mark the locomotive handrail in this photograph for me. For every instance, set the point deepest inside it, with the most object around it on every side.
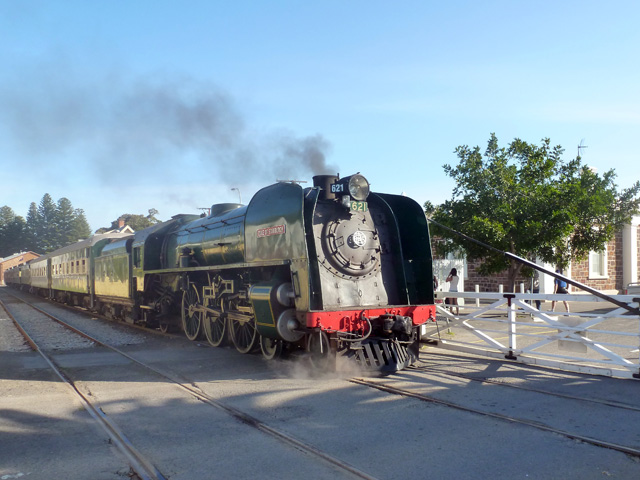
(228, 266)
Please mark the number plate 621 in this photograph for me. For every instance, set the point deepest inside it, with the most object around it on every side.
(359, 206)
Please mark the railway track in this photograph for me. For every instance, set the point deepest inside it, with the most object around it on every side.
(140, 464)
(635, 452)
(489, 381)
(434, 372)
(415, 384)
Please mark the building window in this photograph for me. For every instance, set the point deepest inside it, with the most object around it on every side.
(598, 264)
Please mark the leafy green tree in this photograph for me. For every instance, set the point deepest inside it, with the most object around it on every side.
(136, 222)
(526, 200)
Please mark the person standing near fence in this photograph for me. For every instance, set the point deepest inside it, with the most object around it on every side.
(453, 278)
(559, 287)
(536, 286)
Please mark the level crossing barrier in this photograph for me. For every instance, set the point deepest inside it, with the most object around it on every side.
(594, 336)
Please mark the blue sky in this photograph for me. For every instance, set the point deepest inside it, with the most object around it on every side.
(123, 106)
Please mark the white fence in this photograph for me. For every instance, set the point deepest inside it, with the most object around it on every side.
(595, 337)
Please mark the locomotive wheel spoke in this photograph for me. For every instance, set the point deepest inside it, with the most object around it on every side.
(243, 335)
(191, 318)
(271, 348)
(215, 329)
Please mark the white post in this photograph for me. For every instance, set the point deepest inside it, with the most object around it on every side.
(511, 313)
(500, 288)
(477, 299)
(630, 252)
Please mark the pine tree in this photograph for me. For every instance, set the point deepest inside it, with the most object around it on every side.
(64, 224)
(31, 231)
(47, 231)
(11, 232)
(80, 228)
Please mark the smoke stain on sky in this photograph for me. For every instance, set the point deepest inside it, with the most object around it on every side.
(146, 131)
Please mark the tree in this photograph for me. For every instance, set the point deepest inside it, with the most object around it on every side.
(31, 230)
(64, 218)
(47, 232)
(50, 226)
(524, 199)
(136, 222)
(80, 227)
(12, 229)
(71, 224)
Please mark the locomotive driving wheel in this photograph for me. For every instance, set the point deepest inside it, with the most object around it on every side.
(242, 327)
(215, 328)
(191, 317)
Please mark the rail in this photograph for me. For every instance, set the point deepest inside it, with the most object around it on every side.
(594, 336)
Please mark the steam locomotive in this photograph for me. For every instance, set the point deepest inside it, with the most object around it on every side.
(333, 269)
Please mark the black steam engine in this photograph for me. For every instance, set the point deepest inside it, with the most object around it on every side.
(333, 269)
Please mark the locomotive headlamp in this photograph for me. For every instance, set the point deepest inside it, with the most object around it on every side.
(358, 187)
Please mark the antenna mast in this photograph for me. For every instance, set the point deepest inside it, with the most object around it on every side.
(581, 146)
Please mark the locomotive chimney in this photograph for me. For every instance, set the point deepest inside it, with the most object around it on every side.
(325, 182)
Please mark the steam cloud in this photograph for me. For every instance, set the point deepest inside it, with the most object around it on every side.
(150, 128)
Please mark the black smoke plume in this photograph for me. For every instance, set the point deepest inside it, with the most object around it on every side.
(148, 128)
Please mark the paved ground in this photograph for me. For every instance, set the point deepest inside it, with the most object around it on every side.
(46, 434)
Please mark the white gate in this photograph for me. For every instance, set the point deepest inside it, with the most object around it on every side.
(596, 337)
